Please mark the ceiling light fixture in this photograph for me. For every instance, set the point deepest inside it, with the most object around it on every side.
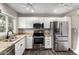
(30, 7)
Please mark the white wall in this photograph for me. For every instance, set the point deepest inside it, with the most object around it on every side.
(75, 31)
(9, 12)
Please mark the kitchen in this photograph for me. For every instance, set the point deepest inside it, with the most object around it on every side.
(26, 31)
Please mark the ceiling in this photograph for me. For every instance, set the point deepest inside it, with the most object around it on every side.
(55, 9)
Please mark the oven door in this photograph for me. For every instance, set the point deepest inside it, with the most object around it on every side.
(38, 40)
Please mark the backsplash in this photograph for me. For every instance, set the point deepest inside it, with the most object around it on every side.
(2, 35)
(31, 31)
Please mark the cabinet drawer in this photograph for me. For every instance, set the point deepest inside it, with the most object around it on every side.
(48, 42)
(47, 45)
(47, 37)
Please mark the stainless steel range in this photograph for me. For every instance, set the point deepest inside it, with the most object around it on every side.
(38, 38)
(38, 33)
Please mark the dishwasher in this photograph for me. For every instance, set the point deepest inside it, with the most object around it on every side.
(9, 51)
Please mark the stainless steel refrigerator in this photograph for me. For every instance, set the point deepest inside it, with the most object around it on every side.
(60, 35)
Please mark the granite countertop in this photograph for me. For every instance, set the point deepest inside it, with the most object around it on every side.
(31, 34)
(5, 45)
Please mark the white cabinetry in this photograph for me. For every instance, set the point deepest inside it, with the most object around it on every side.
(20, 47)
(26, 22)
(29, 42)
(22, 23)
(48, 43)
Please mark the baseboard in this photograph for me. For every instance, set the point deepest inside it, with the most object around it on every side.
(44, 49)
(70, 49)
(29, 49)
(48, 48)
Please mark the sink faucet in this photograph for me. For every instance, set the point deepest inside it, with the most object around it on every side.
(9, 34)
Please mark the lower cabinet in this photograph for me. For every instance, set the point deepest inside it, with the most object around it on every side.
(20, 47)
(48, 43)
(29, 42)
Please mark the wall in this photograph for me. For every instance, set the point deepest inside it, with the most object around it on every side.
(9, 12)
(75, 31)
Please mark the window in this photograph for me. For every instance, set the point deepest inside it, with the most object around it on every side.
(10, 23)
(2, 23)
(6, 23)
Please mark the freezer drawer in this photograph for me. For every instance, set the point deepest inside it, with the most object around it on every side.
(61, 46)
(60, 39)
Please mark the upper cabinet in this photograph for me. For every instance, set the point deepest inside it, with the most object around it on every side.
(27, 22)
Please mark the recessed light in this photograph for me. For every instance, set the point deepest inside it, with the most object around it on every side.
(32, 10)
(27, 8)
(55, 10)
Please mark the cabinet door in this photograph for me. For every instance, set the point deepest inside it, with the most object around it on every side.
(20, 47)
(26, 22)
(29, 42)
(22, 23)
(17, 48)
(48, 42)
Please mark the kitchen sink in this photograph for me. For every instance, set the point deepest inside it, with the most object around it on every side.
(10, 39)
